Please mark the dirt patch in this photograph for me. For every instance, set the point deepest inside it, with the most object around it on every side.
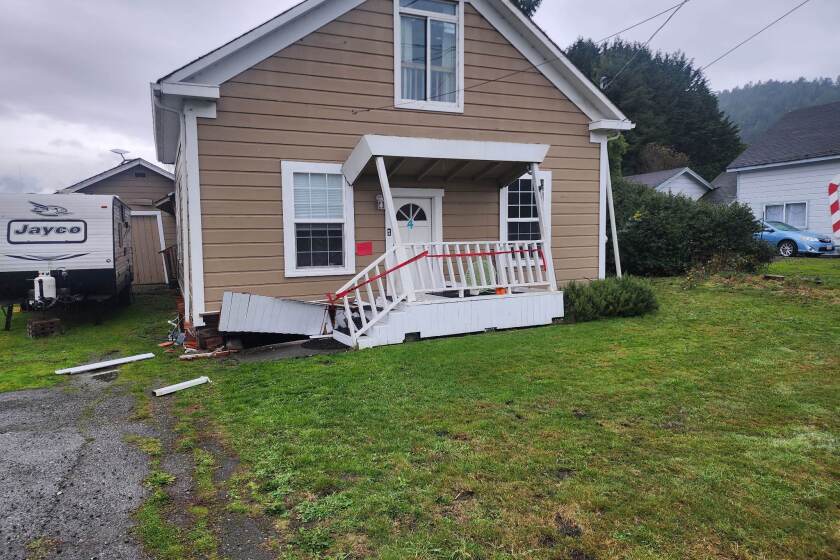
(577, 554)
(106, 376)
(238, 536)
(324, 344)
(291, 350)
(563, 473)
(567, 527)
(803, 289)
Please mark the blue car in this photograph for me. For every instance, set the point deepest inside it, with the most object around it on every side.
(790, 240)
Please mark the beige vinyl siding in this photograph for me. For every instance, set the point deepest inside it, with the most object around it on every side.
(139, 193)
(299, 105)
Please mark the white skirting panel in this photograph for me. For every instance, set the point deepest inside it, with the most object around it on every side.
(446, 317)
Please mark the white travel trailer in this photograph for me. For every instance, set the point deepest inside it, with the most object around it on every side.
(63, 248)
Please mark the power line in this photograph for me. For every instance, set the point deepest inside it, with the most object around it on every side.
(655, 33)
(756, 34)
(635, 25)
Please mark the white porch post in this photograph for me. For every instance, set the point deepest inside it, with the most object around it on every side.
(392, 224)
(544, 221)
(612, 226)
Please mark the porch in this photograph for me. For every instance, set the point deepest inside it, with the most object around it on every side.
(425, 286)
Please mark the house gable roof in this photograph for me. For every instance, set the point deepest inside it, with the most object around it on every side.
(130, 164)
(725, 189)
(660, 179)
(801, 135)
(201, 78)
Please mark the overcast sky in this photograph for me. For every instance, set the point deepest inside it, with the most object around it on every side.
(74, 75)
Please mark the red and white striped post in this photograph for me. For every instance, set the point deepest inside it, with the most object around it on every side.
(834, 207)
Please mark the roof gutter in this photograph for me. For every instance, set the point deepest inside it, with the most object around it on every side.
(606, 125)
(167, 103)
(782, 163)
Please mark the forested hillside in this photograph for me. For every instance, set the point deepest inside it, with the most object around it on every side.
(756, 107)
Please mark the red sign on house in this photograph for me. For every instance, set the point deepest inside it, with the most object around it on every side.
(364, 248)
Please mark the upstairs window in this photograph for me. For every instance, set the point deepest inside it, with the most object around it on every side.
(317, 220)
(429, 55)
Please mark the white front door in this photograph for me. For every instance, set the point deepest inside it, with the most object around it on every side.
(416, 222)
(414, 219)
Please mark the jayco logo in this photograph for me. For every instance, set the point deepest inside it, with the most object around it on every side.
(48, 209)
(47, 231)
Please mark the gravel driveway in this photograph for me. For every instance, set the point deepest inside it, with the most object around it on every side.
(68, 480)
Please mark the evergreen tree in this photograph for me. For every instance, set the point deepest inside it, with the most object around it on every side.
(668, 99)
(528, 7)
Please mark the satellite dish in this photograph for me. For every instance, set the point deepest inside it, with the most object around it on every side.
(120, 153)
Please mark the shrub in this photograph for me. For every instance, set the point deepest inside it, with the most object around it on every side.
(661, 234)
(613, 297)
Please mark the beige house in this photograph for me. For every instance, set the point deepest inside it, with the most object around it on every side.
(142, 186)
(381, 155)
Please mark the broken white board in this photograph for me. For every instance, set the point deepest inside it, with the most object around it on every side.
(249, 313)
(180, 386)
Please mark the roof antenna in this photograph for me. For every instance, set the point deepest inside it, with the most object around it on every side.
(120, 153)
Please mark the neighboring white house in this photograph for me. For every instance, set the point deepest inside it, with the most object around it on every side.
(784, 176)
(680, 181)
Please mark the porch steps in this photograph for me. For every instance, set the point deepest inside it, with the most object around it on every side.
(451, 316)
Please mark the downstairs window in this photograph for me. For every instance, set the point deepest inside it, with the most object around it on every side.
(317, 220)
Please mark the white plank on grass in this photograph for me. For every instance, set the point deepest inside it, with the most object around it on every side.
(180, 386)
(105, 364)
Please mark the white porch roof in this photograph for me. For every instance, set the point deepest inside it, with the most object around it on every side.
(419, 158)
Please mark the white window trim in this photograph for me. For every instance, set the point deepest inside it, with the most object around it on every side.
(440, 106)
(288, 169)
(784, 206)
(545, 178)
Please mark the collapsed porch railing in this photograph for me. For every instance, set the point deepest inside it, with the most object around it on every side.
(458, 268)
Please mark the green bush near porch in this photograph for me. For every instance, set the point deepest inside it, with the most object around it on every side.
(613, 297)
(661, 234)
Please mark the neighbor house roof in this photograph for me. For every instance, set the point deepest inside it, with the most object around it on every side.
(125, 166)
(806, 134)
(658, 179)
(201, 78)
(725, 189)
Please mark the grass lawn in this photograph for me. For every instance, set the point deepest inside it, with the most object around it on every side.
(707, 430)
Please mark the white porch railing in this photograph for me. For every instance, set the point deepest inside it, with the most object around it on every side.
(476, 266)
(463, 267)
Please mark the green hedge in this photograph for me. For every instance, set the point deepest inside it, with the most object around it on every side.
(613, 297)
(665, 235)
